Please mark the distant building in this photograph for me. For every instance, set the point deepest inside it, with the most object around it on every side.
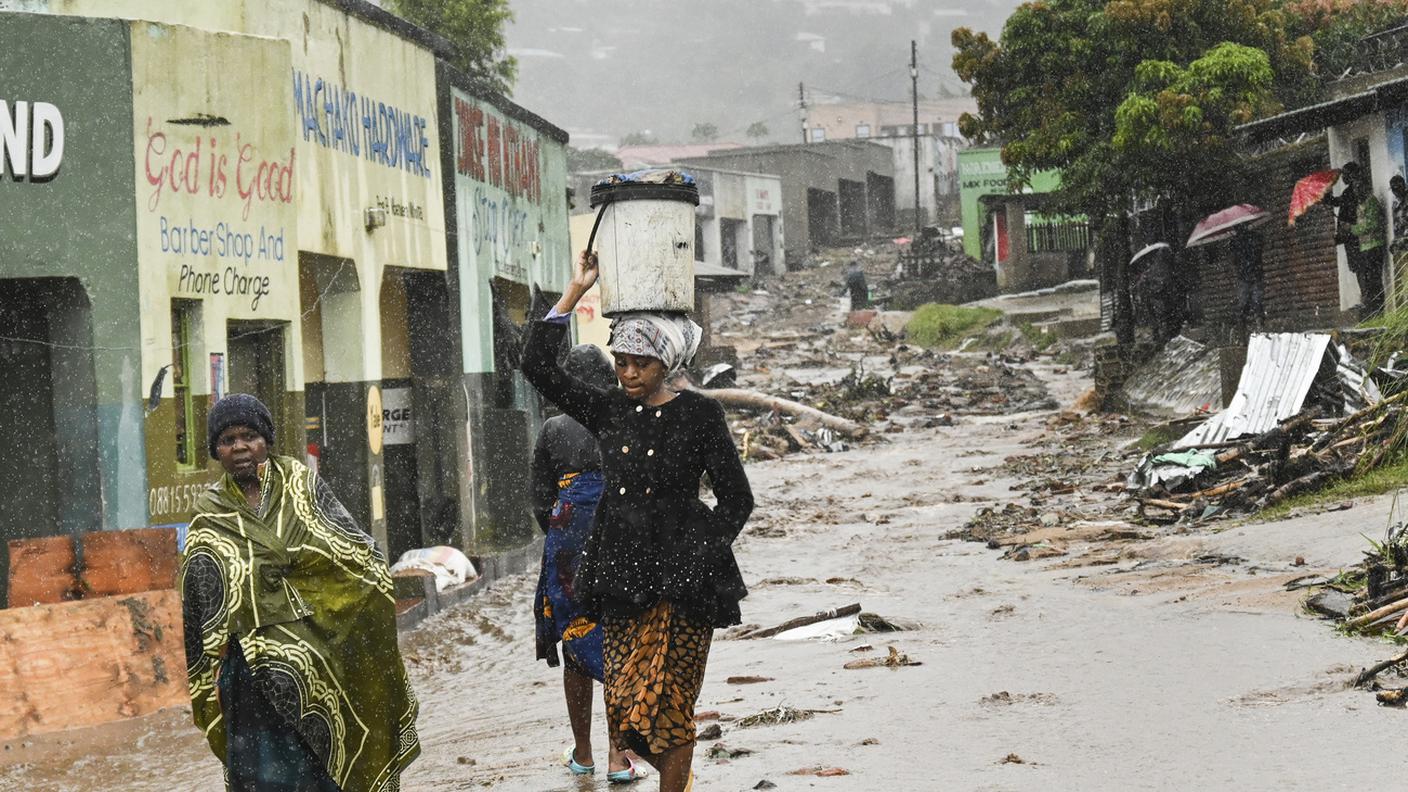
(891, 124)
(1029, 248)
(638, 157)
(861, 120)
(831, 192)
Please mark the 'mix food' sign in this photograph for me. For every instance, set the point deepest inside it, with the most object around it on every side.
(31, 140)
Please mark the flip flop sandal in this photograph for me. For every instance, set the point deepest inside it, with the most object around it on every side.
(632, 773)
(570, 762)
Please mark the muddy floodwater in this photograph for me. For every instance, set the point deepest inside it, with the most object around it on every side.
(1158, 669)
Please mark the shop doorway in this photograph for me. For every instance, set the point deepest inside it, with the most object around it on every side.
(255, 363)
(50, 485)
(763, 244)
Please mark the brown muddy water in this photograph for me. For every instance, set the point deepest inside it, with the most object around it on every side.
(1037, 676)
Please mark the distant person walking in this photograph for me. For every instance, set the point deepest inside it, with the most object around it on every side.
(658, 572)
(567, 484)
(858, 288)
(295, 675)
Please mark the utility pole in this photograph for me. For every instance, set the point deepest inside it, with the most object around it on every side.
(914, 80)
(802, 108)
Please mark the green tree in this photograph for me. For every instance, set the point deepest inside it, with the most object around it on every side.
(757, 130)
(1053, 91)
(476, 29)
(704, 132)
(587, 160)
(1336, 27)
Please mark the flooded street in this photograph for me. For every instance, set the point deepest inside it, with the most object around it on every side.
(1162, 670)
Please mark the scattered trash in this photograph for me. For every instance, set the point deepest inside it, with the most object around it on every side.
(895, 659)
(1012, 759)
(711, 732)
(780, 714)
(721, 751)
(765, 784)
(748, 680)
(822, 772)
(802, 621)
(450, 566)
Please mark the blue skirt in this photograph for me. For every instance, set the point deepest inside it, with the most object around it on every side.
(558, 618)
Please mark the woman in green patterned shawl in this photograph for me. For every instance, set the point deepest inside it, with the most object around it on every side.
(295, 675)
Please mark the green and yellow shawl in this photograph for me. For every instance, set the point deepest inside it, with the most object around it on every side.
(309, 597)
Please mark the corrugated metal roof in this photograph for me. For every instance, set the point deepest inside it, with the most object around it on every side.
(1278, 374)
(1182, 379)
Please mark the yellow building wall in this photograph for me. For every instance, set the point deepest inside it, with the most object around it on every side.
(362, 104)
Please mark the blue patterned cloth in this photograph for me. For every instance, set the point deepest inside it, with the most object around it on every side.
(559, 619)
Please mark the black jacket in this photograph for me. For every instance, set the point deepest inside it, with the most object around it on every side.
(563, 447)
(654, 538)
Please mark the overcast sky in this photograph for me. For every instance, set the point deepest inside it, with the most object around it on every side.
(604, 68)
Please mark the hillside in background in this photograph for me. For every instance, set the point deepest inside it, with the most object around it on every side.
(606, 68)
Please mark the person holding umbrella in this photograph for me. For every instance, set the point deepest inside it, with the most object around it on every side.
(1360, 229)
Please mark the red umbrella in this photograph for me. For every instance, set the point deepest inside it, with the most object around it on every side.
(1220, 225)
(1310, 191)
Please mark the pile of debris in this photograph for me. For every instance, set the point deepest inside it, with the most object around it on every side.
(1279, 437)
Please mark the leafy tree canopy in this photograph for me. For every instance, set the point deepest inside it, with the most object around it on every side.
(757, 129)
(1053, 89)
(476, 28)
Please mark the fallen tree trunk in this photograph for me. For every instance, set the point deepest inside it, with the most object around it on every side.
(803, 621)
(739, 397)
(1376, 614)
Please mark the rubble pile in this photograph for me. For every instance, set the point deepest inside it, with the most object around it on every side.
(1300, 455)
(795, 345)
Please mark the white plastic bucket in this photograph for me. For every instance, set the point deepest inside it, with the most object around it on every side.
(645, 247)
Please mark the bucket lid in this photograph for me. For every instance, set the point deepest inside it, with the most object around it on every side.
(657, 185)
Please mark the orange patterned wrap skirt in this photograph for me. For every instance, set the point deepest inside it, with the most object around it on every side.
(654, 671)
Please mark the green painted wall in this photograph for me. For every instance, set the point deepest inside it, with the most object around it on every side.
(80, 223)
(981, 172)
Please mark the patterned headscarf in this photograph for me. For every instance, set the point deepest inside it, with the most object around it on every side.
(671, 338)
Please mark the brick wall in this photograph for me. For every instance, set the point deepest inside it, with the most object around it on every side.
(1302, 284)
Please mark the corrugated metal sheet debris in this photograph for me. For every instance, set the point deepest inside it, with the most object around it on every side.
(1181, 380)
(1278, 375)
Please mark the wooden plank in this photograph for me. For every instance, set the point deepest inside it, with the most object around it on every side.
(41, 571)
(90, 662)
(128, 562)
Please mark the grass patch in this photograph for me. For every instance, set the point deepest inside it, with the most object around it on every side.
(1159, 435)
(1386, 478)
(939, 326)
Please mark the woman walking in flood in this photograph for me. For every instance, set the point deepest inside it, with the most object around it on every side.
(295, 675)
(658, 571)
(567, 485)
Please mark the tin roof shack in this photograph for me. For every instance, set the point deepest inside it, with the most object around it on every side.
(831, 192)
(738, 223)
(368, 256)
(510, 238)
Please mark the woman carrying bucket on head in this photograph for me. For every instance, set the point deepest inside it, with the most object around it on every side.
(658, 571)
